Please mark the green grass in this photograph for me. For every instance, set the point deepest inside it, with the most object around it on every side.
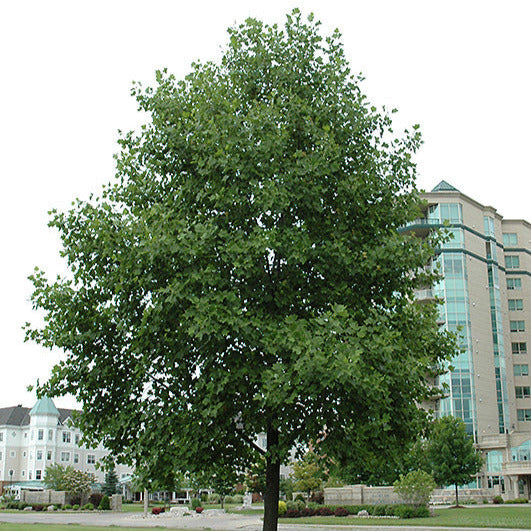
(67, 527)
(514, 517)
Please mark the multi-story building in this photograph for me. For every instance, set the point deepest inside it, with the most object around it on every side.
(31, 440)
(486, 292)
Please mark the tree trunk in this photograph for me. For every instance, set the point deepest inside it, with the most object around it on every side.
(272, 481)
(146, 502)
(456, 496)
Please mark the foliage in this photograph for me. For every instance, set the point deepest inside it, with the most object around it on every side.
(282, 508)
(340, 511)
(105, 504)
(415, 488)
(408, 511)
(196, 502)
(286, 488)
(111, 483)
(199, 510)
(255, 479)
(451, 453)
(67, 478)
(95, 498)
(157, 510)
(245, 270)
(307, 473)
(497, 500)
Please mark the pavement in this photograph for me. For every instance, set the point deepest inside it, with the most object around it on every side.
(213, 521)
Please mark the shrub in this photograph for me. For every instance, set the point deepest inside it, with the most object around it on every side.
(88, 507)
(497, 500)
(317, 497)
(282, 508)
(325, 511)
(340, 511)
(214, 498)
(292, 513)
(196, 502)
(307, 511)
(291, 506)
(300, 497)
(204, 497)
(95, 498)
(67, 507)
(157, 510)
(415, 487)
(105, 504)
(199, 510)
(238, 498)
(37, 507)
(485, 501)
(75, 507)
(409, 511)
(75, 500)
(517, 500)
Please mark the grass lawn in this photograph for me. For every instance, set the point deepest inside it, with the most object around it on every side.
(67, 527)
(500, 516)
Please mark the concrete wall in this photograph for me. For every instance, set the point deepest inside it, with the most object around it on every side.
(44, 497)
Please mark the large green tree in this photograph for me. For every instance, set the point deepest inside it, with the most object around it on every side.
(451, 453)
(244, 273)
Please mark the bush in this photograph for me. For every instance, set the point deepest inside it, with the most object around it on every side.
(204, 497)
(75, 507)
(497, 500)
(75, 500)
(409, 511)
(307, 511)
(88, 507)
(199, 510)
(317, 497)
(340, 511)
(301, 498)
(214, 498)
(105, 504)
(196, 502)
(95, 498)
(157, 510)
(518, 500)
(292, 513)
(37, 507)
(238, 498)
(282, 508)
(415, 488)
(67, 507)
(325, 511)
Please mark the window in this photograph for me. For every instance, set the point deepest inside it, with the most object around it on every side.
(29, 474)
(12, 453)
(521, 369)
(519, 348)
(50, 435)
(0, 456)
(77, 438)
(23, 473)
(65, 457)
(39, 455)
(91, 459)
(516, 304)
(49, 455)
(488, 224)
(523, 415)
(523, 392)
(38, 474)
(24, 454)
(1, 436)
(514, 283)
(66, 436)
(40, 435)
(31, 455)
(510, 238)
(76, 458)
(512, 262)
(517, 326)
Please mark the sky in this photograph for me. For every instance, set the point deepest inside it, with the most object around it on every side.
(460, 69)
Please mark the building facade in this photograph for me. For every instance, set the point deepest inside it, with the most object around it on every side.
(32, 439)
(485, 291)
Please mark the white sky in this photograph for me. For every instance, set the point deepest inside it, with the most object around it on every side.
(461, 69)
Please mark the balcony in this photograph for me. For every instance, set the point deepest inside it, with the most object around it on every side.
(517, 468)
(424, 295)
(420, 226)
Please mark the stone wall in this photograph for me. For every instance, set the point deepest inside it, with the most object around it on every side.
(44, 497)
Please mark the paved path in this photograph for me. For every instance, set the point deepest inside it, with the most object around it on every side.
(218, 522)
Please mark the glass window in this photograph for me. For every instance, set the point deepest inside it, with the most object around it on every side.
(65, 456)
(494, 461)
(1, 436)
(77, 438)
(521, 369)
(510, 238)
(512, 262)
(76, 458)
(39, 455)
(0, 456)
(29, 474)
(517, 326)
(50, 435)
(66, 436)
(38, 474)
(519, 347)
(91, 459)
(516, 304)
(49, 455)
(523, 392)
(514, 283)
(488, 223)
(40, 435)
(523, 415)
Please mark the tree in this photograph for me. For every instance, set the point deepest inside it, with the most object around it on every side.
(111, 482)
(451, 453)
(307, 473)
(67, 478)
(415, 488)
(245, 272)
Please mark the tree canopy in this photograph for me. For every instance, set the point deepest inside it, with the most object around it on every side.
(244, 273)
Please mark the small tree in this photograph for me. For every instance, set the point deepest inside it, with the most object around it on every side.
(415, 488)
(451, 453)
(111, 483)
(55, 476)
(307, 474)
(255, 480)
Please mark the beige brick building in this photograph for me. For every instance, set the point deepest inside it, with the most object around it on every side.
(486, 292)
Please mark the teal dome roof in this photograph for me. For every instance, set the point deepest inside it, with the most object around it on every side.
(44, 406)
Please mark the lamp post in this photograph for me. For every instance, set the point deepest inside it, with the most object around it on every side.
(10, 478)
